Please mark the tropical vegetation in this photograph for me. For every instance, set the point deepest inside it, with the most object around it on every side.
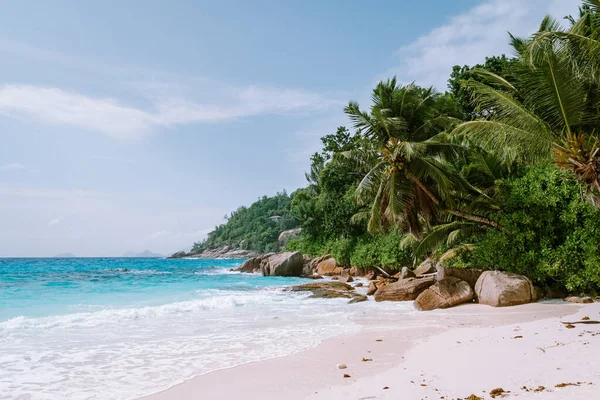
(252, 228)
(502, 171)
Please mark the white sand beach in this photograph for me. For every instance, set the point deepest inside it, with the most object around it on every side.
(448, 354)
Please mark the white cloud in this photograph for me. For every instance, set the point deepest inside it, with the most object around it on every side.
(51, 105)
(11, 166)
(469, 37)
(55, 221)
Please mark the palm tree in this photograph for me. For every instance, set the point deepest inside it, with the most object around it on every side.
(581, 40)
(480, 171)
(406, 176)
(549, 111)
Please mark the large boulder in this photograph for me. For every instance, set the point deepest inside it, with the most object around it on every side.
(284, 264)
(179, 254)
(448, 292)
(469, 275)
(501, 289)
(404, 289)
(250, 265)
(286, 236)
(426, 267)
(329, 267)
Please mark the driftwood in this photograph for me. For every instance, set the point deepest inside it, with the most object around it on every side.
(385, 274)
(581, 322)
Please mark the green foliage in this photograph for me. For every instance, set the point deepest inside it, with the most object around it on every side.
(251, 228)
(550, 233)
(547, 108)
(364, 251)
(381, 251)
(502, 66)
(325, 207)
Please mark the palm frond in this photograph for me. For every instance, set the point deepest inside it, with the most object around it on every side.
(505, 139)
(454, 252)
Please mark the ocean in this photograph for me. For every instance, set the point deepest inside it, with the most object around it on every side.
(120, 328)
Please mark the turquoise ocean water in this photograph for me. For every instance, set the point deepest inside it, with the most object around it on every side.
(119, 328)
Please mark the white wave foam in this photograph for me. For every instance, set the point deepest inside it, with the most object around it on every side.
(212, 299)
(217, 271)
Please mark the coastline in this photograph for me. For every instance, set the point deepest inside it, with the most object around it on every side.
(421, 358)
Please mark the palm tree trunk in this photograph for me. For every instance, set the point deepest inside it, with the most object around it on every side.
(424, 188)
(475, 218)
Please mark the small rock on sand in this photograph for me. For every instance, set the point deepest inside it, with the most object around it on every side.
(341, 366)
(579, 300)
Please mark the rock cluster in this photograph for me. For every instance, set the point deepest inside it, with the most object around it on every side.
(221, 252)
(580, 300)
(329, 290)
(430, 286)
(450, 287)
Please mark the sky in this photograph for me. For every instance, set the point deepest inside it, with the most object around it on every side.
(138, 125)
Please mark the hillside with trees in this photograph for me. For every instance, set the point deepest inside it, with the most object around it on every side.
(502, 171)
(256, 227)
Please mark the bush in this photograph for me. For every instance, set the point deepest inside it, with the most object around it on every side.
(550, 233)
(305, 245)
(366, 251)
(380, 251)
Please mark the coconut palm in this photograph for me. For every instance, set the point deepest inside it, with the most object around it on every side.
(581, 40)
(406, 177)
(549, 111)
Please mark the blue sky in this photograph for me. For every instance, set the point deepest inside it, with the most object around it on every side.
(137, 125)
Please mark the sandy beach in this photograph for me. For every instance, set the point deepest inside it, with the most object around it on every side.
(470, 350)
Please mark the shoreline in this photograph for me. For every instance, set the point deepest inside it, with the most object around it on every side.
(312, 373)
